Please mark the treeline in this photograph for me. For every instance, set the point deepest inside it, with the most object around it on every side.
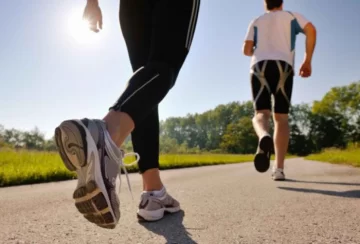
(31, 140)
(334, 121)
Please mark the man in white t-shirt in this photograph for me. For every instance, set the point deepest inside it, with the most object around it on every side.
(270, 42)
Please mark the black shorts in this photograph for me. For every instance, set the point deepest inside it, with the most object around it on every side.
(272, 79)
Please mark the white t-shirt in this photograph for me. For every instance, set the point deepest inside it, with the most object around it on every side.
(274, 35)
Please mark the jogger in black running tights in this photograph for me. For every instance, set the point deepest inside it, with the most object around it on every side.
(158, 36)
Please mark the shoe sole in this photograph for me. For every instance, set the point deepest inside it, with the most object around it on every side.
(279, 179)
(149, 218)
(74, 141)
(262, 160)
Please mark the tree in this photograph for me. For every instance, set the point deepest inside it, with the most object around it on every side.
(343, 100)
(204, 131)
(168, 145)
(13, 137)
(342, 104)
(50, 145)
(326, 132)
(33, 139)
(240, 137)
(300, 124)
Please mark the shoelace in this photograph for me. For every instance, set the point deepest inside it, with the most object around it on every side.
(123, 166)
(121, 163)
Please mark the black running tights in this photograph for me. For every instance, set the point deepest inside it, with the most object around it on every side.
(158, 36)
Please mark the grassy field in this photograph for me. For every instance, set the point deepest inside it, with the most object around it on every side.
(349, 156)
(26, 167)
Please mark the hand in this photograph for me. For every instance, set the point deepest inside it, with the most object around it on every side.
(93, 15)
(305, 70)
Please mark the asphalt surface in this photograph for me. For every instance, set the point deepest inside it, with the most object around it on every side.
(222, 204)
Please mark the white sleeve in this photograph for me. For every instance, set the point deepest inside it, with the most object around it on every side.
(301, 20)
(250, 32)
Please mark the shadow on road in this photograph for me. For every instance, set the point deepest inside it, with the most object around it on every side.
(325, 183)
(171, 228)
(346, 194)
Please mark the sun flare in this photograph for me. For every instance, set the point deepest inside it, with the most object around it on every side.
(78, 28)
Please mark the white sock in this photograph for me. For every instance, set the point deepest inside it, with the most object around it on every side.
(278, 169)
(158, 193)
(161, 192)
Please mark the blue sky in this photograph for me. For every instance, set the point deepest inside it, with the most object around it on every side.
(50, 71)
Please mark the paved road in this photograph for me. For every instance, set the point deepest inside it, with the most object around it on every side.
(222, 204)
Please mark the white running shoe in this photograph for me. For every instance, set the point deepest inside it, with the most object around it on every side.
(85, 146)
(153, 208)
(278, 174)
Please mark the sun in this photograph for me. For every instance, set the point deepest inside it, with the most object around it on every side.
(78, 28)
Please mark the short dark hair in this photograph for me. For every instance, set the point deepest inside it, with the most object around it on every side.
(271, 4)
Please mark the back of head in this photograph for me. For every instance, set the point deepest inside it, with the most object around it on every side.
(273, 4)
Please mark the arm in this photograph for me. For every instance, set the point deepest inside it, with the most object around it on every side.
(248, 48)
(249, 44)
(310, 33)
(93, 2)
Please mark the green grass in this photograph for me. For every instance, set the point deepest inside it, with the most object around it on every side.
(174, 161)
(349, 156)
(27, 167)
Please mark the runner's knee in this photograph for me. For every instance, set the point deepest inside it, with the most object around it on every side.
(262, 115)
(165, 71)
(281, 118)
(146, 89)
